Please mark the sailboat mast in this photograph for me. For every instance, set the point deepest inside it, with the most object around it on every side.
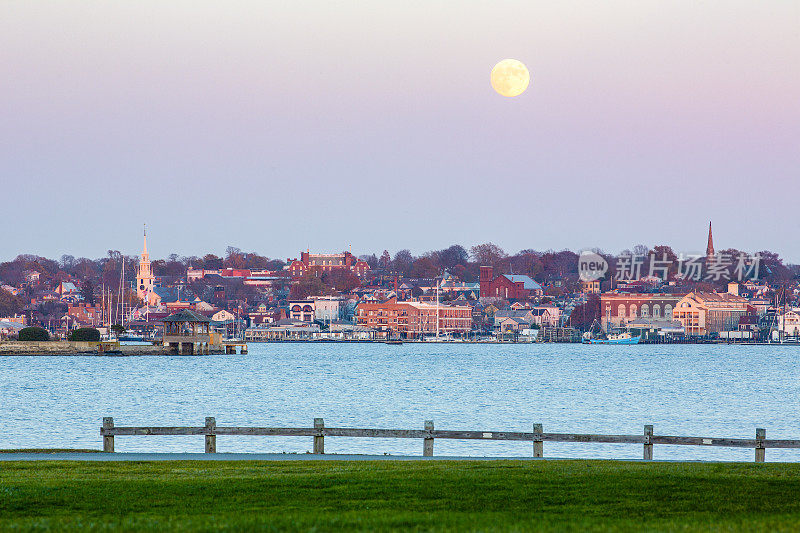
(437, 310)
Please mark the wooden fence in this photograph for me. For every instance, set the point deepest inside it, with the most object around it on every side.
(428, 434)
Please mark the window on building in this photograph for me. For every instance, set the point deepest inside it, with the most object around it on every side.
(645, 310)
(633, 311)
(621, 311)
(656, 311)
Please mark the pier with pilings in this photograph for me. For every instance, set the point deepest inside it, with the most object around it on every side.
(231, 346)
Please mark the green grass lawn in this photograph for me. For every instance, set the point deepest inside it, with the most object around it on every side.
(389, 495)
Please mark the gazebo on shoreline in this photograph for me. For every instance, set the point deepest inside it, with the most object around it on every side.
(189, 333)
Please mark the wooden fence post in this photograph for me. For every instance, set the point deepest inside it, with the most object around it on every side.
(761, 434)
(648, 443)
(538, 444)
(427, 443)
(211, 438)
(319, 440)
(108, 440)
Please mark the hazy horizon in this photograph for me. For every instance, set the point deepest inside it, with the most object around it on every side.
(276, 127)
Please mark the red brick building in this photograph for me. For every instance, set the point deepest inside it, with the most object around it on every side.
(414, 319)
(326, 263)
(619, 308)
(86, 314)
(507, 286)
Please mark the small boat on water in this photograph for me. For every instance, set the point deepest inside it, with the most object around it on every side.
(131, 338)
(394, 342)
(614, 338)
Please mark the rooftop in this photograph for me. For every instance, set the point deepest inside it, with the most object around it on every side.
(186, 315)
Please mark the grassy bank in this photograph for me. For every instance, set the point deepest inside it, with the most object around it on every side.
(462, 496)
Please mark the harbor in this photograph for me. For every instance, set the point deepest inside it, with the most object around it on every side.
(576, 388)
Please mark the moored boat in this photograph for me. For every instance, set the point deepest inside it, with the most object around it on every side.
(618, 338)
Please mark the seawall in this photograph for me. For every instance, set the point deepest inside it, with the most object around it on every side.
(78, 348)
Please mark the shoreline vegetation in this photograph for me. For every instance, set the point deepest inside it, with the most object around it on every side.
(565, 495)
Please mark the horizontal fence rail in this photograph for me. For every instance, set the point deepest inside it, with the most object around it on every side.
(428, 434)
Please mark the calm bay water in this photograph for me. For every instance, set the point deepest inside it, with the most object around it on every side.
(719, 391)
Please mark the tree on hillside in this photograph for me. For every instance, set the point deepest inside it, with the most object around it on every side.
(341, 280)
(771, 267)
(402, 262)
(173, 266)
(558, 264)
(67, 262)
(87, 291)
(308, 285)
(234, 258)
(454, 255)
(370, 259)
(85, 268)
(9, 304)
(212, 262)
(487, 254)
(254, 261)
(385, 259)
(585, 314)
(424, 267)
(526, 262)
(662, 256)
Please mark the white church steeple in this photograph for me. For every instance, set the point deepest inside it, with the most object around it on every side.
(144, 278)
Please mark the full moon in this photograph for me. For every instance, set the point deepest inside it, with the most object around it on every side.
(510, 77)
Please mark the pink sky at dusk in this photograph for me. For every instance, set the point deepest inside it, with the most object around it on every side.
(277, 126)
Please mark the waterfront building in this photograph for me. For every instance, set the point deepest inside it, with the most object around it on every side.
(520, 315)
(546, 315)
(315, 308)
(189, 333)
(541, 315)
(656, 329)
(326, 308)
(302, 310)
(511, 324)
(619, 308)
(414, 319)
(284, 329)
(706, 313)
(348, 331)
(789, 323)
